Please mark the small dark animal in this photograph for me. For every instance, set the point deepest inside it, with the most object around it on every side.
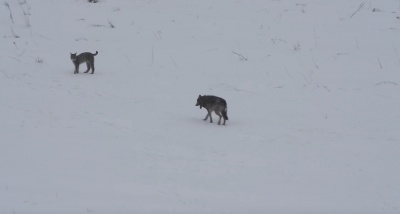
(81, 58)
(213, 103)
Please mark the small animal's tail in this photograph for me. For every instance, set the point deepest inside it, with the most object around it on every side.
(95, 53)
(225, 113)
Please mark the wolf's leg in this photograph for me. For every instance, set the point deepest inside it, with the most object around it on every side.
(207, 118)
(88, 67)
(220, 116)
(208, 115)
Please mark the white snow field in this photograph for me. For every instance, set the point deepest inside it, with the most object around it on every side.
(313, 93)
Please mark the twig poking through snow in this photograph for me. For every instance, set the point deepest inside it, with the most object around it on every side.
(241, 57)
(173, 61)
(8, 6)
(4, 73)
(327, 89)
(13, 34)
(152, 55)
(397, 53)
(296, 47)
(26, 11)
(359, 8)
(128, 58)
(357, 43)
(386, 82)
(316, 65)
(39, 60)
(287, 72)
(380, 64)
(110, 24)
(15, 58)
(158, 35)
(315, 40)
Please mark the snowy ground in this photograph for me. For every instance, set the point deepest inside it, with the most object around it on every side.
(312, 88)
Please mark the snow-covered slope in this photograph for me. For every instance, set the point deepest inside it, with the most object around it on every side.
(312, 90)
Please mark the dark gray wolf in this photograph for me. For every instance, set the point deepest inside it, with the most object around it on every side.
(86, 57)
(213, 103)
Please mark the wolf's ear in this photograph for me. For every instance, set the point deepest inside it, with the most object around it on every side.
(199, 95)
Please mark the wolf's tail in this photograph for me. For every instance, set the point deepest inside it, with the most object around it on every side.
(95, 53)
(225, 113)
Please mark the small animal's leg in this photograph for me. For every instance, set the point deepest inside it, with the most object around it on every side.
(92, 68)
(76, 69)
(88, 67)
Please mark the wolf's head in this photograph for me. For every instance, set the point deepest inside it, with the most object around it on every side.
(199, 101)
(73, 56)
